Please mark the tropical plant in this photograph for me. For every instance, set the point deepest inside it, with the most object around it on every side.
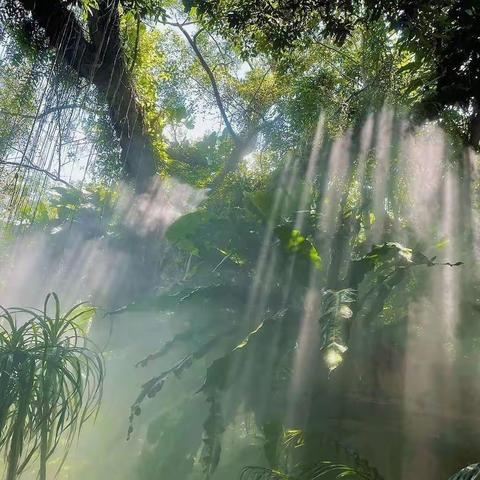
(51, 381)
(320, 470)
(472, 472)
(443, 69)
(367, 286)
(293, 440)
(326, 469)
(361, 469)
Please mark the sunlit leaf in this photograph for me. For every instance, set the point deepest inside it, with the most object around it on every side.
(442, 243)
(294, 242)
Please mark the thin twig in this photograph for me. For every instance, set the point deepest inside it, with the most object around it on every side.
(29, 166)
(48, 111)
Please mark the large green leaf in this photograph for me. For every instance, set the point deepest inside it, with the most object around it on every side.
(184, 232)
(263, 201)
(292, 241)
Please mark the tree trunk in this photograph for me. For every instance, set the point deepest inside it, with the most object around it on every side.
(242, 147)
(42, 475)
(16, 442)
(475, 129)
(101, 60)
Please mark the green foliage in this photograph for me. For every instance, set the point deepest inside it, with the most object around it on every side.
(155, 385)
(440, 65)
(359, 468)
(143, 47)
(218, 373)
(335, 313)
(210, 239)
(154, 9)
(90, 210)
(322, 469)
(259, 257)
(467, 473)
(293, 241)
(195, 162)
(184, 232)
(327, 469)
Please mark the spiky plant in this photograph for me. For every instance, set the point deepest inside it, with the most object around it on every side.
(54, 380)
(17, 386)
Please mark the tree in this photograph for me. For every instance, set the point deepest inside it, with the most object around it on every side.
(441, 38)
(97, 57)
(244, 105)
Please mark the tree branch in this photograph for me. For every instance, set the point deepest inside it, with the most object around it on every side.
(49, 110)
(212, 79)
(29, 166)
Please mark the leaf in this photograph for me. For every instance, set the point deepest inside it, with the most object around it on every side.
(294, 437)
(293, 241)
(44, 212)
(184, 232)
(467, 473)
(263, 201)
(345, 311)
(389, 255)
(263, 473)
(155, 384)
(442, 243)
(333, 355)
(414, 85)
(82, 317)
(332, 323)
(456, 264)
(69, 196)
(213, 429)
(217, 377)
(409, 66)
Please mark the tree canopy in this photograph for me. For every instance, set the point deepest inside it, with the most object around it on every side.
(440, 40)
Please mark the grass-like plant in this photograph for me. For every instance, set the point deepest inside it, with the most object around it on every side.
(51, 381)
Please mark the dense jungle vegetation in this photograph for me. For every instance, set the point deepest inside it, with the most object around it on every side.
(239, 239)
